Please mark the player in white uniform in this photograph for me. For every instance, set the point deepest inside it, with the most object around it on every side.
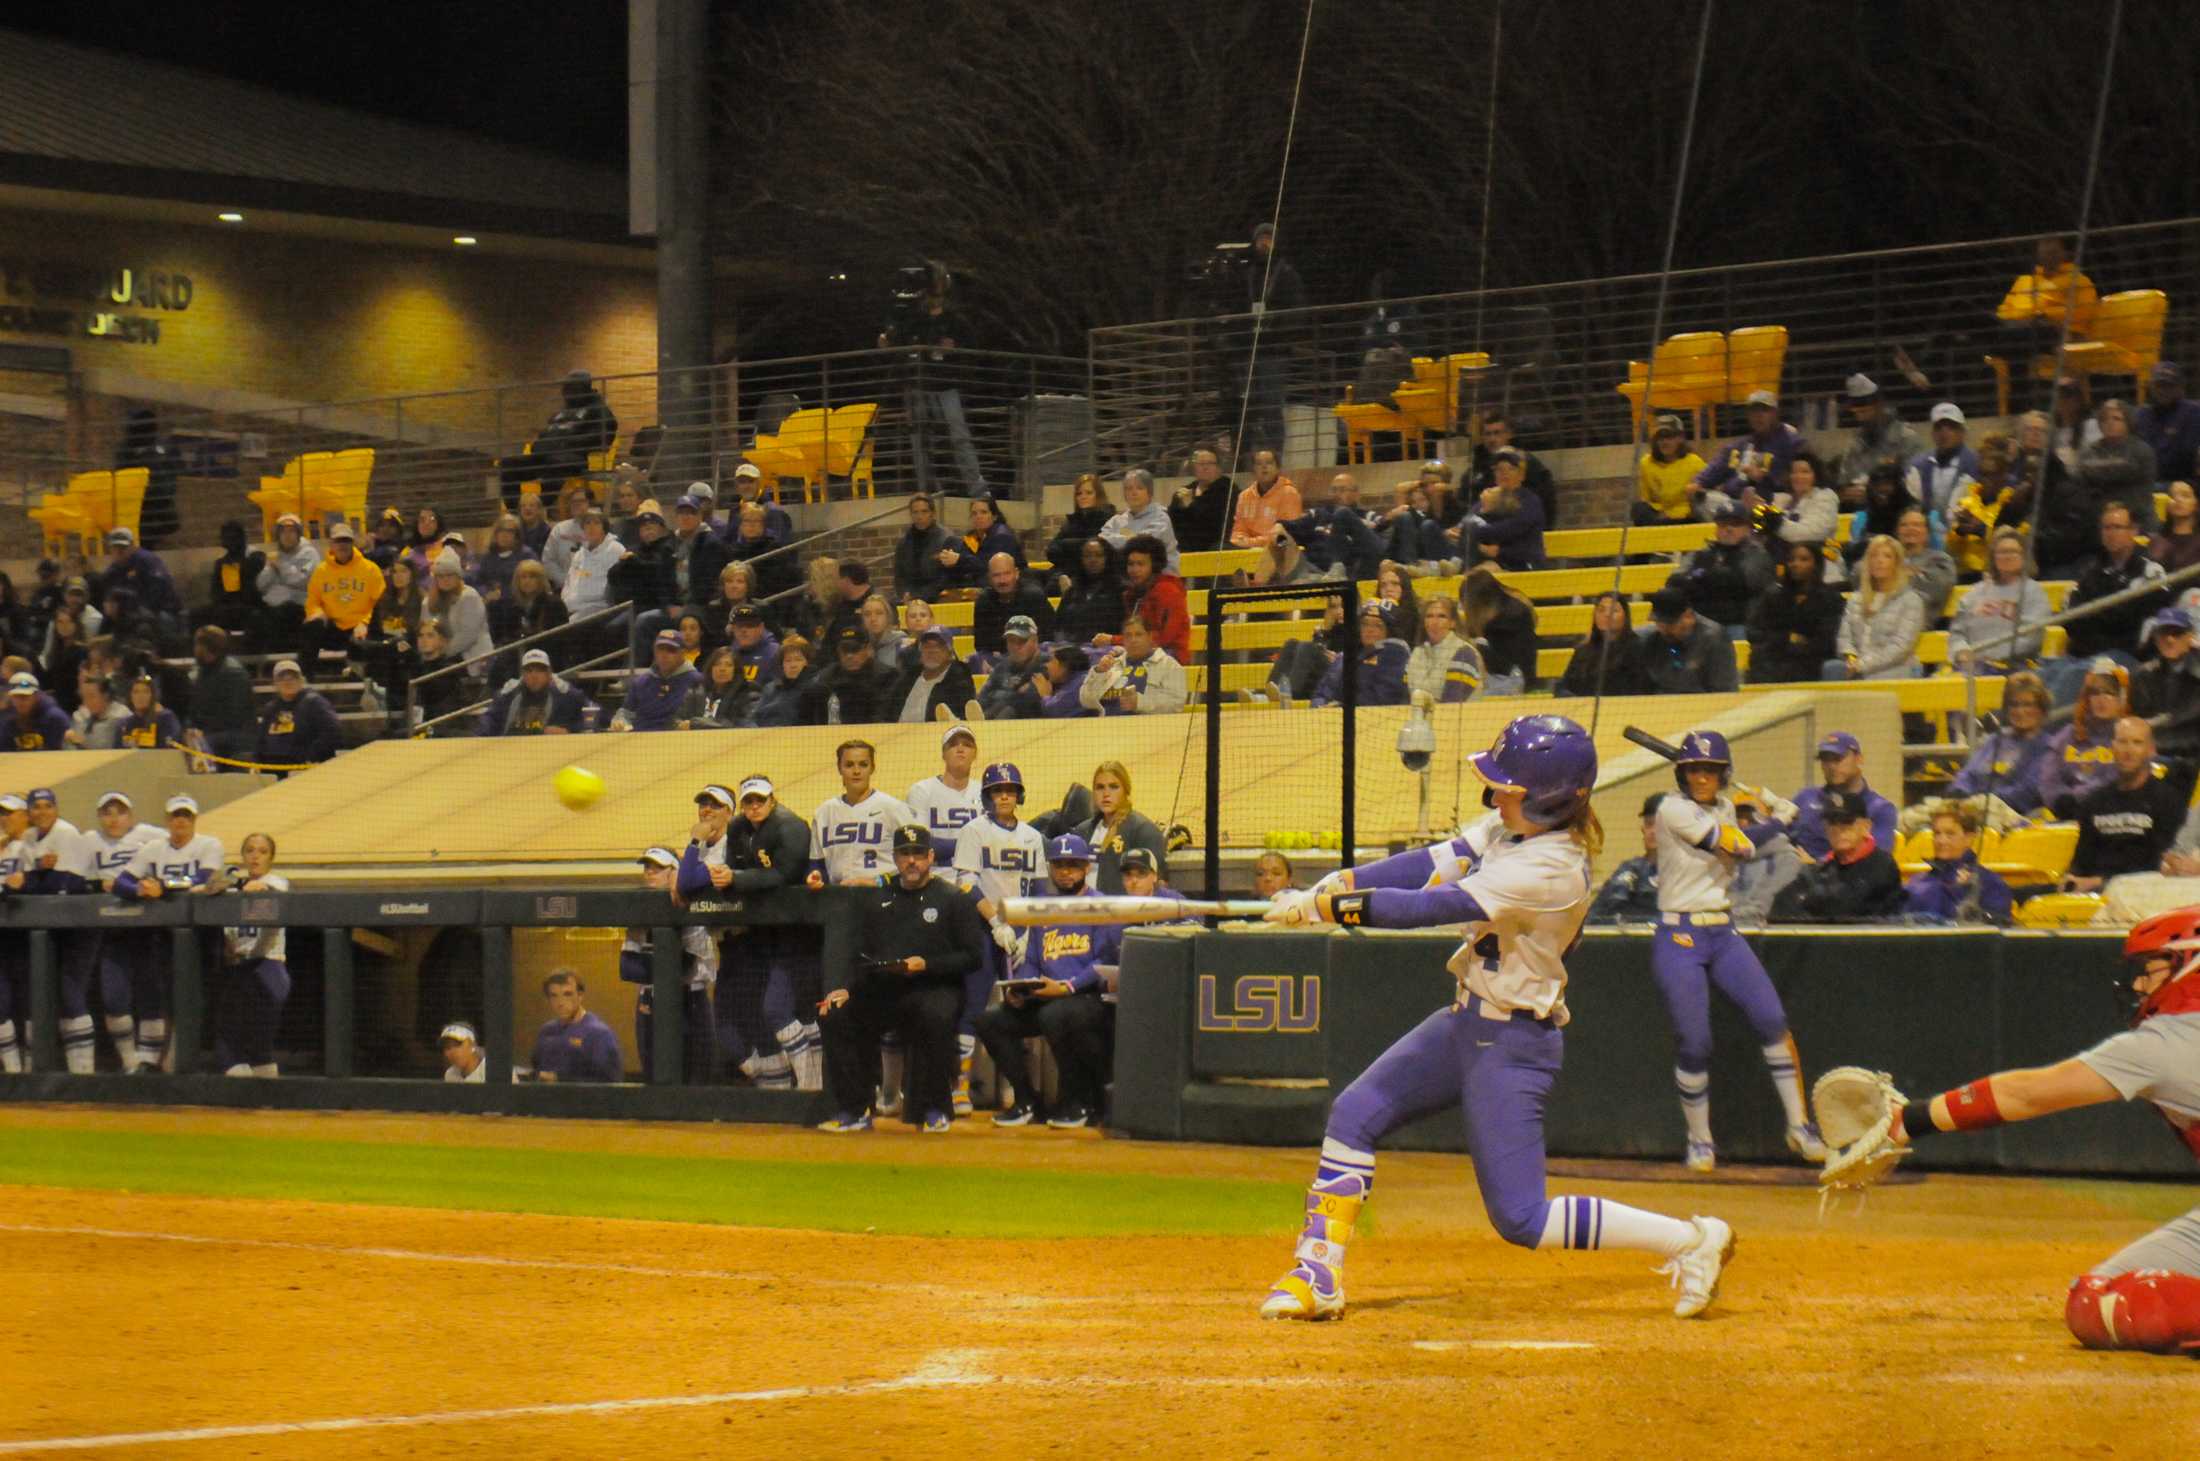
(182, 862)
(949, 802)
(254, 983)
(997, 857)
(851, 837)
(660, 868)
(15, 960)
(2146, 1296)
(1701, 847)
(1519, 883)
(58, 859)
(112, 844)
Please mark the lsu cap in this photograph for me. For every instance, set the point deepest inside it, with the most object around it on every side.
(715, 793)
(670, 639)
(44, 795)
(1840, 743)
(748, 469)
(288, 667)
(23, 682)
(659, 857)
(909, 837)
(341, 532)
(456, 1031)
(1138, 857)
(1948, 411)
(535, 657)
(117, 799)
(1843, 806)
(756, 786)
(181, 803)
(1069, 847)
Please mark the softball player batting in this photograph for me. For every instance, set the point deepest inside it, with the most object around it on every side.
(1519, 881)
(1700, 849)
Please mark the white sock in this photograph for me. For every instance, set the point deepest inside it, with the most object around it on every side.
(1787, 1077)
(76, 1044)
(11, 1054)
(1695, 1092)
(152, 1041)
(1594, 1222)
(891, 1062)
(122, 1031)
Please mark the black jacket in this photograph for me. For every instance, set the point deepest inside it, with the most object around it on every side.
(1791, 635)
(955, 689)
(2171, 691)
(1508, 641)
(1009, 693)
(1704, 663)
(294, 732)
(233, 609)
(707, 558)
(2123, 831)
(1623, 672)
(562, 706)
(1629, 895)
(990, 615)
(2116, 628)
(917, 571)
(864, 697)
(649, 575)
(773, 855)
(968, 569)
(893, 925)
(1201, 523)
(1082, 524)
(221, 698)
(1830, 891)
(1722, 581)
(1093, 606)
(726, 707)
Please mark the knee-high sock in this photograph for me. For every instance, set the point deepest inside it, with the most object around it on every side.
(1342, 1181)
(1695, 1089)
(76, 1044)
(893, 1062)
(1786, 1067)
(152, 1041)
(11, 1054)
(122, 1031)
(805, 1052)
(1593, 1222)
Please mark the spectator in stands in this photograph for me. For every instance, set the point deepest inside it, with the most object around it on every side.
(895, 648)
(1976, 513)
(1203, 508)
(1683, 652)
(1854, 880)
(1272, 874)
(698, 554)
(75, 623)
(2031, 316)
(582, 425)
(1443, 666)
(1795, 625)
(233, 597)
(32, 721)
(1061, 684)
(1727, 575)
(1008, 595)
(437, 696)
(537, 703)
(625, 505)
(752, 543)
(221, 713)
(1300, 663)
(2165, 691)
(2120, 467)
(848, 586)
(2117, 567)
(2170, 423)
(2127, 823)
(588, 574)
(1336, 533)
(1756, 461)
(1155, 595)
(426, 539)
(1092, 604)
(1395, 588)
(1630, 894)
(965, 557)
(297, 727)
(1410, 532)
(937, 686)
(786, 685)
(855, 689)
(534, 523)
(725, 700)
(1937, 478)
(2005, 765)
(2073, 426)
(1882, 438)
(1505, 526)
(1886, 498)
(457, 604)
(1664, 475)
(1883, 621)
(574, 1046)
(736, 590)
(96, 724)
(492, 571)
(1840, 769)
(1806, 509)
(530, 608)
(141, 572)
(748, 490)
(1497, 439)
(1286, 560)
(150, 726)
(2080, 756)
(1012, 685)
(1089, 514)
(921, 557)
(1141, 516)
(647, 575)
(340, 598)
(2176, 544)
(1997, 624)
(1137, 677)
(1932, 571)
(1610, 659)
(656, 696)
(752, 644)
(1272, 499)
(387, 544)
(387, 649)
(1500, 622)
(1118, 828)
(2066, 529)
(1377, 667)
(566, 535)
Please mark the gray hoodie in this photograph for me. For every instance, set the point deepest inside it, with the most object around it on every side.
(1126, 525)
(1983, 619)
(283, 580)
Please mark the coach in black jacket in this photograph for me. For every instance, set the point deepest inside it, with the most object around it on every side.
(856, 689)
(918, 937)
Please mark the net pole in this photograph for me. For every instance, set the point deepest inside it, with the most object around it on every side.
(1348, 822)
(1213, 712)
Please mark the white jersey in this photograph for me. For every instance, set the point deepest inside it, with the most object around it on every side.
(945, 811)
(856, 841)
(478, 1076)
(248, 945)
(696, 943)
(997, 862)
(163, 861)
(1696, 861)
(1536, 892)
(64, 844)
(15, 858)
(110, 855)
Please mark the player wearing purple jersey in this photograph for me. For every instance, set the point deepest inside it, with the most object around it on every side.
(1518, 880)
(1055, 993)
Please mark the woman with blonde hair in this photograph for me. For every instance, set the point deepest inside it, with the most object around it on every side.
(812, 612)
(1880, 628)
(1431, 666)
(1116, 829)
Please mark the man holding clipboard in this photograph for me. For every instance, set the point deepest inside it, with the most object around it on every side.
(1055, 993)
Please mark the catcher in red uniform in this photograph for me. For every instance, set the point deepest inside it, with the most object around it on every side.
(2147, 1296)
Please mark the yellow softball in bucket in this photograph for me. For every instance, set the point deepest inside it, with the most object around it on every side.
(577, 787)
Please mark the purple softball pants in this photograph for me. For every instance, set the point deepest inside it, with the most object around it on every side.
(1497, 1070)
(1687, 959)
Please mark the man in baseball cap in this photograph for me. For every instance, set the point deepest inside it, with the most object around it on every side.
(31, 721)
(1055, 993)
(538, 703)
(464, 1061)
(1854, 881)
(2166, 689)
(1759, 457)
(656, 696)
(860, 687)
(1841, 767)
(1687, 654)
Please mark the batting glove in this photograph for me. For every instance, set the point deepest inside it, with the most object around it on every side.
(1293, 908)
(1010, 940)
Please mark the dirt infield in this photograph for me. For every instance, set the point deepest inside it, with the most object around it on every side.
(1929, 1325)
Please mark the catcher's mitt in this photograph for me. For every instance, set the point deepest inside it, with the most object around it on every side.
(1856, 1109)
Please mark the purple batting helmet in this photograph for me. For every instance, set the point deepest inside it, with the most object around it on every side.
(998, 775)
(1550, 758)
(1703, 748)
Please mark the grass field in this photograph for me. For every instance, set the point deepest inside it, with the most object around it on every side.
(317, 1286)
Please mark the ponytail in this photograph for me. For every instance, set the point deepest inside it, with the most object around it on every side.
(1586, 830)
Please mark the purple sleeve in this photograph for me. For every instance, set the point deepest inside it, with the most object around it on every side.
(1422, 908)
(1883, 831)
(1763, 830)
(1411, 869)
(605, 1063)
(694, 877)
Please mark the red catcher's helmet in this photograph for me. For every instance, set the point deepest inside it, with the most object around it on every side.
(2175, 933)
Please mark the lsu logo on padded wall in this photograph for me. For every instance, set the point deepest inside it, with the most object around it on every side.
(1289, 1004)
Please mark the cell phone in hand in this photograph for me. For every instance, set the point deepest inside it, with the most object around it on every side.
(1022, 986)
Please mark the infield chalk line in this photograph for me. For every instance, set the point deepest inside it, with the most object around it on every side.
(949, 1367)
(1441, 1346)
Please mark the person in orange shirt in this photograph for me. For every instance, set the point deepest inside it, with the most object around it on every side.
(340, 597)
(1271, 500)
(2032, 313)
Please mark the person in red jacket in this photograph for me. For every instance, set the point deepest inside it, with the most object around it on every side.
(1156, 595)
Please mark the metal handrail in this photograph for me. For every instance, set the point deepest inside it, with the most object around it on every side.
(412, 700)
(416, 732)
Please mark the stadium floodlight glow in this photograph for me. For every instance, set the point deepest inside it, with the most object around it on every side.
(230, 217)
(465, 240)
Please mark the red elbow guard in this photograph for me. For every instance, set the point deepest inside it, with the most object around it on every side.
(1971, 1107)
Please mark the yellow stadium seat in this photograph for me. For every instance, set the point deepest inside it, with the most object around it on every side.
(1915, 850)
(1216, 564)
(93, 505)
(1416, 403)
(796, 450)
(2123, 338)
(1755, 357)
(2058, 910)
(335, 485)
(286, 493)
(1690, 376)
(2037, 854)
(848, 449)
